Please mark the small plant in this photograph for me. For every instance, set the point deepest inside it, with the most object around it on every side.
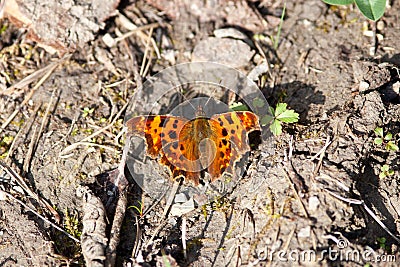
(280, 115)
(372, 10)
(72, 224)
(382, 244)
(386, 171)
(139, 208)
(275, 40)
(87, 111)
(5, 144)
(386, 140)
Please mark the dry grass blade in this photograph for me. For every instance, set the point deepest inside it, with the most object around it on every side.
(170, 199)
(184, 224)
(370, 212)
(83, 141)
(47, 72)
(35, 138)
(295, 191)
(137, 239)
(40, 216)
(34, 76)
(18, 179)
(144, 67)
(2, 4)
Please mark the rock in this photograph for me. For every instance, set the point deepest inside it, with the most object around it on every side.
(224, 51)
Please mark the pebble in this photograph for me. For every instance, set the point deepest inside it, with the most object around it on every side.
(304, 232)
(313, 203)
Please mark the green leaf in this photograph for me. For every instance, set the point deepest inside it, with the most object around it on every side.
(266, 120)
(388, 137)
(272, 111)
(338, 2)
(378, 141)
(379, 131)
(276, 127)
(238, 107)
(385, 168)
(258, 103)
(280, 108)
(288, 116)
(382, 175)
(372, 9)
(391, 146)
(381, 240)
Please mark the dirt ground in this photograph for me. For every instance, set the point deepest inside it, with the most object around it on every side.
(312, 196)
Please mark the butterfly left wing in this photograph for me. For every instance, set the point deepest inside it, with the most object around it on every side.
(231, 140)
(158, 130)
(163, 135)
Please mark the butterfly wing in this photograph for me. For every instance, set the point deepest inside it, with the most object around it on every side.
(158, 131)
(231, 139)
(168, 137)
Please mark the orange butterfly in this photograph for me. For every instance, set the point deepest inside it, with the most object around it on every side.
(187, 147)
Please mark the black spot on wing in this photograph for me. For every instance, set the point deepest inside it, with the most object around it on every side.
(229, 119)
(172, 134)
(162, 121)
(175, 145)
(224, 132)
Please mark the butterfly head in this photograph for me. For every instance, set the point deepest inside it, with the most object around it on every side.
(200, 112)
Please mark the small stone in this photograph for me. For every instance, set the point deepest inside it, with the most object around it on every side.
(108, 40)
(368, 33)
(380, 25)
(172, 221)
(259, 70)
(230, 32)
(181, 209)
(169, 55)
(180, 198)
(363, 86)
(396, 87)
(304, 232)
(313, 203)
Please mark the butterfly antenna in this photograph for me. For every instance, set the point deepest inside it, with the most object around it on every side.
(179, 87)
(211, 95)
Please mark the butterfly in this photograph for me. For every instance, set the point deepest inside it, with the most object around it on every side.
(189, 147)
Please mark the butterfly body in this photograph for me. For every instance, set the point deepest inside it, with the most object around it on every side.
(188, 147)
